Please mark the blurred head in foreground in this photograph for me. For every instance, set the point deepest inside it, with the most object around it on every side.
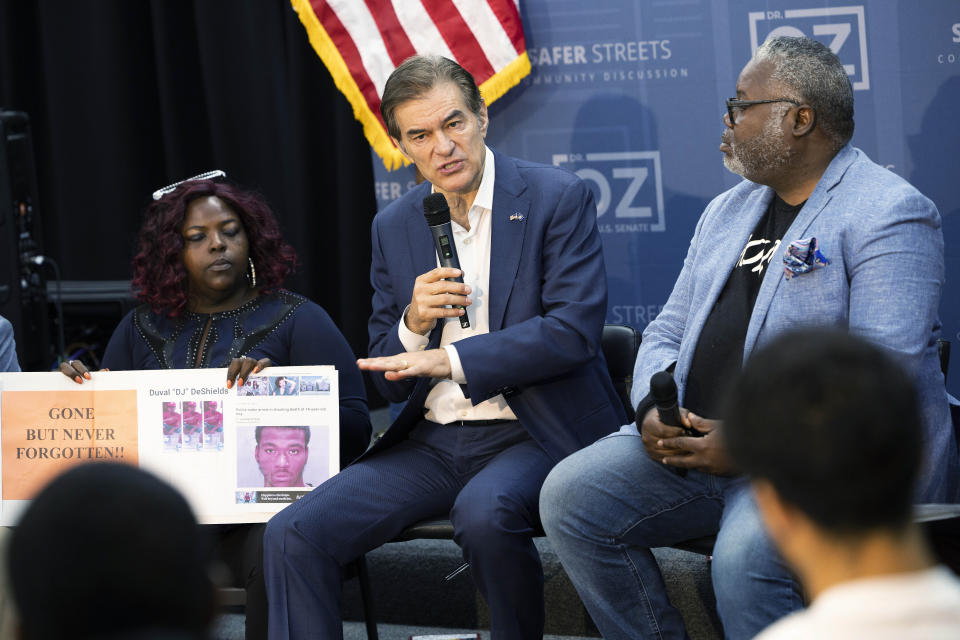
(828, 427)
(110, 551)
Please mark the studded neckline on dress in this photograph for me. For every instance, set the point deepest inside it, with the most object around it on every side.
(249, 304)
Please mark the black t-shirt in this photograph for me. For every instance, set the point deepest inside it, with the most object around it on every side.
(719, 352)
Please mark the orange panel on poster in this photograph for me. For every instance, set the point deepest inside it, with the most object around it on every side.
(44, 432)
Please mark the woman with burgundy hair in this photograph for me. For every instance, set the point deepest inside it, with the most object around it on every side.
(209, 270)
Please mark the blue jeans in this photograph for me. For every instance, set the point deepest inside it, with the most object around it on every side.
(605, 506)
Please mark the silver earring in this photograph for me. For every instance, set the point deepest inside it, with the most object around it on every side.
(252, 276)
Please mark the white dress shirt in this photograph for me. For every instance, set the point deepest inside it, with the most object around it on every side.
(922, 605)
(446, 403)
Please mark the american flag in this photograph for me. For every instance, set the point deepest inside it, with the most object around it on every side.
(362, 41)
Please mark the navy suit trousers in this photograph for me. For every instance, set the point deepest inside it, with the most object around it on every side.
(487, 478)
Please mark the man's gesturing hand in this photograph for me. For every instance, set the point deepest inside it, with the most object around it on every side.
(432, 363)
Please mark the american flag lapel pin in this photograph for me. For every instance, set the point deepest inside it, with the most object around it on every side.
(517, 217)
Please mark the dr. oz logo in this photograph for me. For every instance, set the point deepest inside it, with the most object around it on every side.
(840, 28)
(628, 183)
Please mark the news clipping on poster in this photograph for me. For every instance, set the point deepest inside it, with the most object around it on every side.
(238, 455)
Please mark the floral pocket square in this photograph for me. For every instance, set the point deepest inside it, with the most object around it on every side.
(802, 256)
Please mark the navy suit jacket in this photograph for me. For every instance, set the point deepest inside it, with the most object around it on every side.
(548, 297)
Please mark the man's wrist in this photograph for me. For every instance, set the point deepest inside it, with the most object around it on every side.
(411, 340)
(456, 368)
(643, 408)
(414, 329)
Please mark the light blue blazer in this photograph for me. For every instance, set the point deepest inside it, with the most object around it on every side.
(8, 348)
(885, 247)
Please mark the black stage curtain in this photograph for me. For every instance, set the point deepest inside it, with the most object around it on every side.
(126, 97)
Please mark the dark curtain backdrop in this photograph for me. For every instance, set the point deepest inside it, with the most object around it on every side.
(126, 97)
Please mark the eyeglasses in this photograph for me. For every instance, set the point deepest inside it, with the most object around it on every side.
(734, 106)
(209, 175)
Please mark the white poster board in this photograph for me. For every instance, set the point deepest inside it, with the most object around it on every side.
(183, 425)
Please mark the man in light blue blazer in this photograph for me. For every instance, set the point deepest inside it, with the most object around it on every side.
(490, 406)
(8, 347)
(816, 234)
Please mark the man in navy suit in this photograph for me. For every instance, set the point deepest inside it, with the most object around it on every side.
(489, 408)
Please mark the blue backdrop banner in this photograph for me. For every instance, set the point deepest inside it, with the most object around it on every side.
(629, 95)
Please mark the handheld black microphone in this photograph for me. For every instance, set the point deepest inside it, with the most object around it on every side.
(437, 213)
(663, 390)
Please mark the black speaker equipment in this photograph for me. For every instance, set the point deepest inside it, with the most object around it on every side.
(23, 290)
(91, 310)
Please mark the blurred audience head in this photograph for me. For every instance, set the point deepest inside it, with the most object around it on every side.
(832, 424)
(110, 551)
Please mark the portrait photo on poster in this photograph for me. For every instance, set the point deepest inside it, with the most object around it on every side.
(271, 456)
(192, 420)
(212, 425)
(171, 426)
(284, 385)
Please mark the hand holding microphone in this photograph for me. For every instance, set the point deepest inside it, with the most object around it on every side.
(705, 453)
(663, 391)
(439, 293)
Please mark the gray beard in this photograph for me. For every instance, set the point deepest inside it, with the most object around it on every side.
(759, 155)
